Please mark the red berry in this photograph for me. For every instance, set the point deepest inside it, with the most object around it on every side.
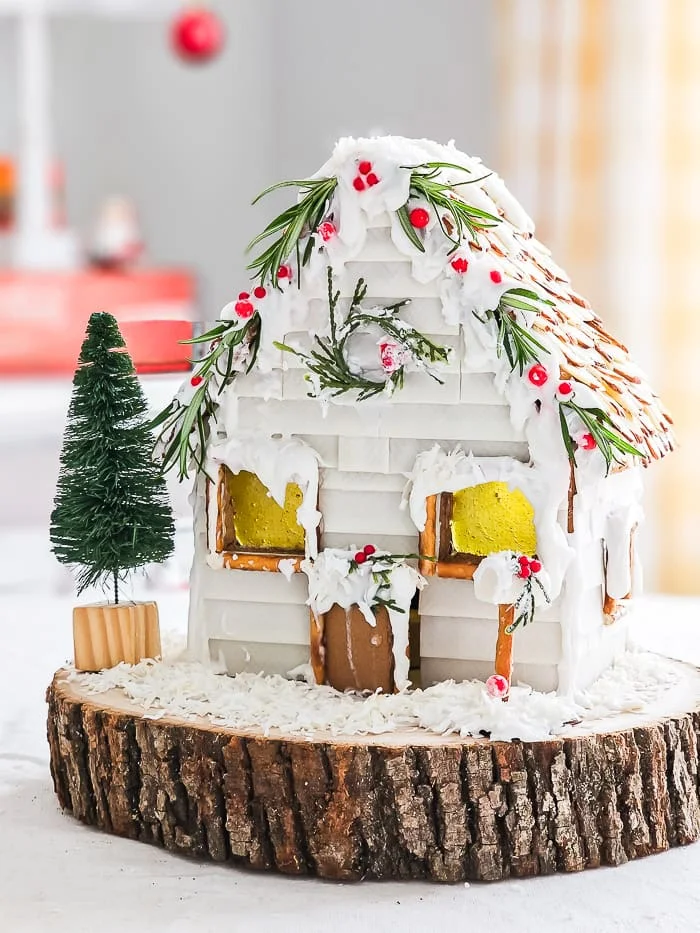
(496, 277)
(564, 388)
(369, 549)
(523, 560)
(587, 441)
(326, 231)
(196, 380)
(284, 272)
(243, 296)
(535, 566)
(460, 264)
(360, 557)
(419, 217)
(372, 180)
(244, 309)
(364, 168)
(358, 183)
(197, 35)
(538, 375)
(260, 292)
(524, 572)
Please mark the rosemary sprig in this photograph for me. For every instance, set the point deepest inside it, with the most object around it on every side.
(524, 605)
(425, 183)
(601, 427)
(184, 427)
(327, 360)
(296, 223)
(519, 344)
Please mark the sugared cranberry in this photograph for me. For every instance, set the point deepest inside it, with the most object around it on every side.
(358, 183)
(535, 566)
(497, 686)
(587, 441)
(244, 309)
(538, 375)
(364, 168)
(372, 180)
(369, 549)
(360, 557)
(460, 265)
(326, 231)
(284, 272)
(496, 277)
(243, 296)
(564, 388)
(196, 380)
(260, 292)
(419, 217)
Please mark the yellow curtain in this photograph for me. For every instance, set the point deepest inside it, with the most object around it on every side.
(599, 109)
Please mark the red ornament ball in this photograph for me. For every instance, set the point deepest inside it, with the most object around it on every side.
(358, 183)
(284, 272)
(197, 35)
(196, 380)
(538, 375)
(419, 217)
(326, 231)
(496, 277)
(243, 296)
(369, 549)
(497, 686)
(260, 292)
(244, 309)
(364, 168)
(535, 566)
(460, 265)
(360, 557)
(564, 388)
(587, 441)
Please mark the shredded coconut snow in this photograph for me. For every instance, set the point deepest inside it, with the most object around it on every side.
(255, 701)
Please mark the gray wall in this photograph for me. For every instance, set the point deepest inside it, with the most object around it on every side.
(192, 146)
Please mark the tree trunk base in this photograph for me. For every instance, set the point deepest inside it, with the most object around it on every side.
(410, 805)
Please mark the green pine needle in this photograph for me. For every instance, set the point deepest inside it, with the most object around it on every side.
(599, 424)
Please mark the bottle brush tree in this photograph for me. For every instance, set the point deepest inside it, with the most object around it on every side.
(111, 513)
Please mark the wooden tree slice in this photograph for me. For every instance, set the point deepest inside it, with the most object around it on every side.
(409, 805)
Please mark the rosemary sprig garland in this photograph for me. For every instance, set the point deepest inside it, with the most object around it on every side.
(183, 428)
(382, 566)
(327, 360)
(519, 344)
(601, 427)
(426, 183)
(297, 222)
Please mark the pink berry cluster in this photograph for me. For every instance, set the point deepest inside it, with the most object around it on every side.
(528, 566)
(460, 265)
(365, 177)
(367, 551)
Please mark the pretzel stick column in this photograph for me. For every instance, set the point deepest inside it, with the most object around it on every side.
(504, 642)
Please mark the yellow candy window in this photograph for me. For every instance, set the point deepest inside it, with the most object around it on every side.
(491, 517)
(251, 520)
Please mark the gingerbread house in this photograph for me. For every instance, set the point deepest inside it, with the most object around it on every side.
(414, 444)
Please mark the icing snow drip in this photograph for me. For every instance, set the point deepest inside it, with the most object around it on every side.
(336, 578)
(278, 461)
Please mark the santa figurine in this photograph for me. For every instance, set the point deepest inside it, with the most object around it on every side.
(116, 241)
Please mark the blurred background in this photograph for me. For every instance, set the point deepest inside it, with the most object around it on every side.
(134, 134)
